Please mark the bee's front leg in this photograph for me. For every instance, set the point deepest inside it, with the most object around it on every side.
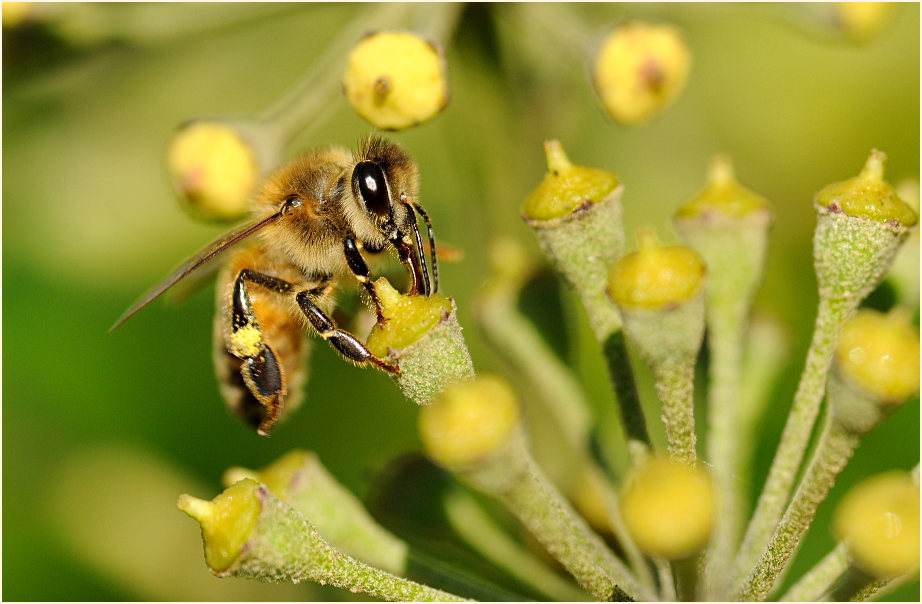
(359, 269)
(344, 342)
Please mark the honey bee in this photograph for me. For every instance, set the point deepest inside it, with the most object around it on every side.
(313, 218)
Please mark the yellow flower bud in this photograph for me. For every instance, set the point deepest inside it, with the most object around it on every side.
(213, 169)
(878, 521)
(655, 275)
(868, 195)
(396, 80)
(226, 521)
(669, 508)
(566, 187)
(640, 70)
(16, 13)
(879, 353)
(723, 195)
(469, 421)
(862, 20)
(407, 318)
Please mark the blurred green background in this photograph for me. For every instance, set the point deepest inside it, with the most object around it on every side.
(102, 431)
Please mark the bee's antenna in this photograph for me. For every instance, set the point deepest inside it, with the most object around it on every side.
(435, 267)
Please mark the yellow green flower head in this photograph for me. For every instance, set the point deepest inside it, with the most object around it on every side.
(640, 70)
(212, 169)
(878, 521)
(469, 421)
(868, 195)
(669, 508)
(396, 80)
(566, 187)
(655, 275)
(862, 20)
(226, 521)
(408, 318)
(723, 195)
(879, 353)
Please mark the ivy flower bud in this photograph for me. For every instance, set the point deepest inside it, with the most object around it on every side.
(422, 335)
(878, 521)
(250, 533)
(862, 20)
(861, 223)
(879, 353)
(655, 276)
(396, 79)
(640, 70)
(669, 508)
(16, 13)
(213, 168)
(468, 422)
(300, 480)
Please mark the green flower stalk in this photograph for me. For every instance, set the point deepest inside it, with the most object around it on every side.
(660, 291)
(576, 214)
(473, 430)
(877, 369)
(250, 533)
(422, 336)
(861, 223)
(300, 480)
(728, 226)
(670, 510)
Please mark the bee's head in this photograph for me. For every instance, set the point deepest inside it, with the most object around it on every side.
(385, 184)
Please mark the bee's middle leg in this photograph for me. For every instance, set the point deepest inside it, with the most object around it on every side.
(344, 342)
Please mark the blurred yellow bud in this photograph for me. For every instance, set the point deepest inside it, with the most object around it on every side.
(566, 187)
(640, 70)
(862, 20)
(396, 80)
(16, 13)
(213, 169)
(469, 421)
(655, 275)
(226, 521)
(878, 521)
(669, 508)
(879, 353)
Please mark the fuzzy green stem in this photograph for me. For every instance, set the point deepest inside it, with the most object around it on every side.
(482, 533)
(835, 447)
(512, 476)
(687, 576)
(855, 585)
(618, 362)
(674, 381)
(794, 439)
(820, 578)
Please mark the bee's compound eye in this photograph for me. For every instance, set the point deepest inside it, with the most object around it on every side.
(372, 186)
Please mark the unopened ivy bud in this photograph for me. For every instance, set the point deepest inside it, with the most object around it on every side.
(660, 292)
(861, 223)
(396, 79)
(300, 480)
(469, 422)
(878, 521)
(640, 70)
(422, 336)
(250, 533)
(213, 168)
(655, 276)
(669, 508)
(879, 353)
(862, 20)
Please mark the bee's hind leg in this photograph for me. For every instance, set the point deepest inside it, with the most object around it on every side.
(260, 368)
(344, 342)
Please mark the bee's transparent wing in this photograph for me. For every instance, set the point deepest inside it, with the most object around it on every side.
(203, 256)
